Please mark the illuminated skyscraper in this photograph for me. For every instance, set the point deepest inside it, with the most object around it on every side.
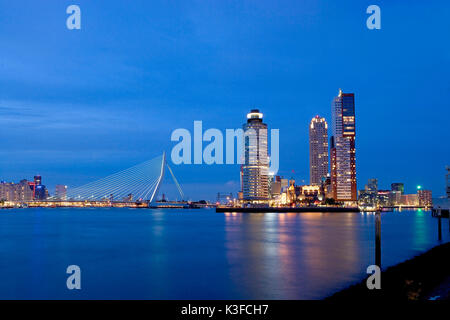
(342, 149)
(39, 190)
(255, 170)
(318, 150)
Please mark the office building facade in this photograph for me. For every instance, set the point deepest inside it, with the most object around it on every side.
(255, 170)
(318, 150)
(342, 148)
(21, 191)
(398, 187)
(61, 192)
(425, 198)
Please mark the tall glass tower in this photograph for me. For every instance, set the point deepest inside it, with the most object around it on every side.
(318, 150)
(342, 148)
(255, 170)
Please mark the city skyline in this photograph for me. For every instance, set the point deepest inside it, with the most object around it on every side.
(255, 178)
(338, 127)
(72, 123)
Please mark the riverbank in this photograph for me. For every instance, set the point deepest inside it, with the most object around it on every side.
(424, 277)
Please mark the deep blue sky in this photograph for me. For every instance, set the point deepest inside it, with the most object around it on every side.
(78, 105)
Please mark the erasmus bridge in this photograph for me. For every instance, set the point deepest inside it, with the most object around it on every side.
(138, 184)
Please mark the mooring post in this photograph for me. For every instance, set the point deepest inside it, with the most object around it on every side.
(378, 238)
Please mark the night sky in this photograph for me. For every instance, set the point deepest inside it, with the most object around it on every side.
(77, 105)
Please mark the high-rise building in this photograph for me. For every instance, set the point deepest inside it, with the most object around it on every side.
(318, 150)
(372, 185)
(398, 187)
(61, 192)
(37, 180)
(255, 170)
(342, 148)
(369, 196)
(39, 190)
(425, 198)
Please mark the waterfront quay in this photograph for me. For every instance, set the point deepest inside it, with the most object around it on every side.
(85, 204)
(261, 209)
(105, 204)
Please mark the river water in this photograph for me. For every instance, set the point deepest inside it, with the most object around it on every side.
(198, 253)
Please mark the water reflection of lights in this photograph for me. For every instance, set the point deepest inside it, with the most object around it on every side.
(420, 231)
(259, 250)
(233, 216)
(370, 213)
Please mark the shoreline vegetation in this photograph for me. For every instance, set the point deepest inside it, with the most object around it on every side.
(423, 277)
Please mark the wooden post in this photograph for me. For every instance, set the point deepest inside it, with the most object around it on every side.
(439, 227)
(378, 239)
